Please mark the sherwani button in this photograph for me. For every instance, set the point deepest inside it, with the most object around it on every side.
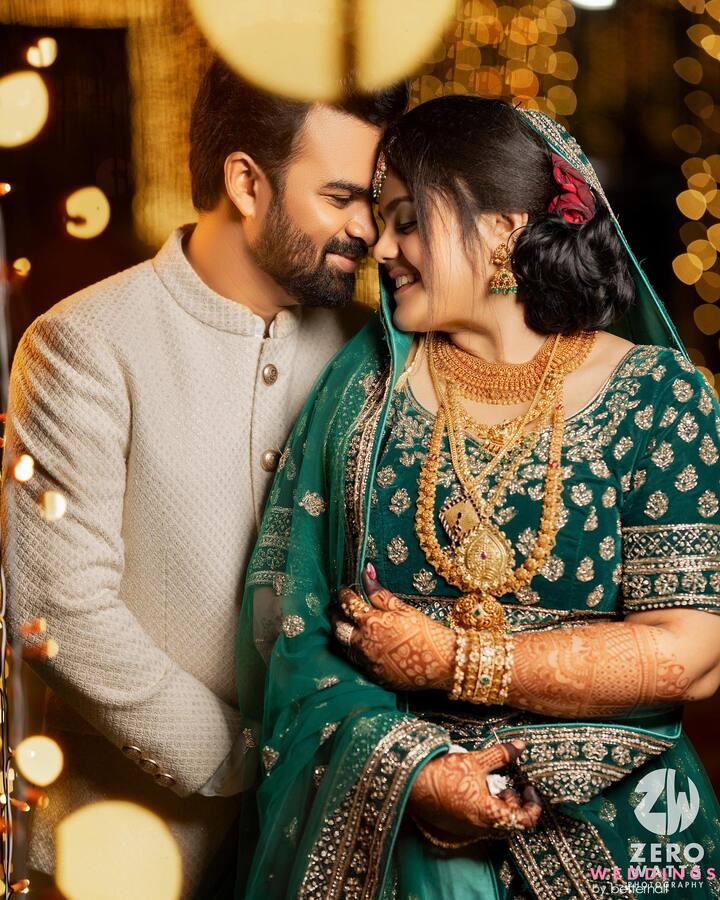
(164, 779)
(269, 460)
(131, 752)
(149, 765)
(270, 374)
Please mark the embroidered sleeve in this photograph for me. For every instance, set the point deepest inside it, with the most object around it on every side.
(671, 523)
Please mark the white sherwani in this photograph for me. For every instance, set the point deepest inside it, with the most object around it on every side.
(155, 407)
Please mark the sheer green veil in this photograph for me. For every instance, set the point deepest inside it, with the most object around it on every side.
(332, 756)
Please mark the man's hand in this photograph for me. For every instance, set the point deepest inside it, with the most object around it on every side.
(450, 794)
(397, 644)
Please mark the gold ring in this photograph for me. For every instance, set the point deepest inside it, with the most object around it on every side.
(344, 633)
(513, 819)
(353, 607)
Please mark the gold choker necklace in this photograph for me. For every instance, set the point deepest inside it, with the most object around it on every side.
(508, 383)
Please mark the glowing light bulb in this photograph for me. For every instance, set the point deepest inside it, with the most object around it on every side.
(24, 106)
(39, 759)
(5, 188)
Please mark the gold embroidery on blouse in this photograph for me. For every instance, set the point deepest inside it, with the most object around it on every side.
(400, 502)
(424, 581)
(687, 479)
(682, 390)
(668, 417)
(385, 476)
(581, 494)
(688, 428)
(708, 504)
(591, 523)
(586, 569)
(609, 498)
(708, 452)
(663, 455)
(657, 505)
(397, 551)
(293, 625)
(596, 595)
(644, 417)
(607, 547)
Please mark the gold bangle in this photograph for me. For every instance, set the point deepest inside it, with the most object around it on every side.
(460, 661)
(439, 842)
(471, 674)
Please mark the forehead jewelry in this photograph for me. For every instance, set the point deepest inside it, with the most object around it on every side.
(379, 176)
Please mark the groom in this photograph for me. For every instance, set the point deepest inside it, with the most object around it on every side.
(157, 403)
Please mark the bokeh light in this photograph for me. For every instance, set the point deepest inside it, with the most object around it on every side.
(53, 506)
(115, 850)
(43, 53)
(88, 212)
(24, 106)
(22, 266)
(39, 759)
(24, 468)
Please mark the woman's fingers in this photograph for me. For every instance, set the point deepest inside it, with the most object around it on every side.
(380, 597)
(499, 754)
(345, 631)
(352, 605)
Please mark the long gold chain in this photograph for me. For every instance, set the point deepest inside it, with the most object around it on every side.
(479, 560)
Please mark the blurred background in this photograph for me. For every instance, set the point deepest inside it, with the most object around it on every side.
(94, 108)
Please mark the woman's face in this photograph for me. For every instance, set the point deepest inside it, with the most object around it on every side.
(402, 254)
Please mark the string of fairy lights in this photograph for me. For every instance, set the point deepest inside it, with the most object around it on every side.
(699, 202)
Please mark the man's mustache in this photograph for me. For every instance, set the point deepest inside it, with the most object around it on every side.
(354, 248)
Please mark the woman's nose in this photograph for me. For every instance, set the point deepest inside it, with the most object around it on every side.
(385, 249)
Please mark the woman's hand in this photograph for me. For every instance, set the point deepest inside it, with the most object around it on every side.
(395, 643)
(450, 794)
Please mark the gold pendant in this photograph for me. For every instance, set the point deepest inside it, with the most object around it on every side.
(458, 518)
(480, 612)
(484, 557)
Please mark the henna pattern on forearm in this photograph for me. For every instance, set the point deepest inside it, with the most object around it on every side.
(597, 670)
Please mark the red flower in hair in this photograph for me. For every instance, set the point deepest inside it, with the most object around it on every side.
(575, 203)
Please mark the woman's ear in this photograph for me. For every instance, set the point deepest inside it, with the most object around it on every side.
(506, 227)
(244, 181)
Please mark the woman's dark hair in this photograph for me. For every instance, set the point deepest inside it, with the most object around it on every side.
(480, 156)
(230, 114)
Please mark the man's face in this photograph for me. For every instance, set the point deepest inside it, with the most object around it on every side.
(319, 223)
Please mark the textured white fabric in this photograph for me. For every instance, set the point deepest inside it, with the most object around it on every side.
(142, 400)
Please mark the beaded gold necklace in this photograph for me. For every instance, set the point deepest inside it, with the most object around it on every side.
(479, 559)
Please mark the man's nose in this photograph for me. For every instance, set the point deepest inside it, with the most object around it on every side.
(363, 226)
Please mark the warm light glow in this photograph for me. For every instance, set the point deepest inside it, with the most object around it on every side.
(688, 268)
(53, 506)
(39, 759)
(711, 45)
(24, 468)
(593, 4)
(22, 266)
(689, 69)
(5, 188)
(117, 850)
(24, 107)
(705, 252)
(298, 49)
(43, 53)
(707, 318)
(688, 138)
(692, 204)
(88, 212)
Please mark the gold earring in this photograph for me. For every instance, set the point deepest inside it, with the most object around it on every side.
(503, 281)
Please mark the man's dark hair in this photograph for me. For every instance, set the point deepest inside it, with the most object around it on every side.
(230, 114)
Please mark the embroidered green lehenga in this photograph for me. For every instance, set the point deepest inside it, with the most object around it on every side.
(640, 529)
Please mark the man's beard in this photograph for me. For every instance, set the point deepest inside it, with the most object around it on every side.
(290, 258)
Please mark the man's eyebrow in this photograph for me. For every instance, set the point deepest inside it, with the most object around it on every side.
(349, 186)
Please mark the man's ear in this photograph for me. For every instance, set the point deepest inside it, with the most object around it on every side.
(244, 180)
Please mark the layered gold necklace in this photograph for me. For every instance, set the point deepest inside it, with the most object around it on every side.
(479, 558)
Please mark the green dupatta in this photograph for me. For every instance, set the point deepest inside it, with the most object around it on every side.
(338, 753)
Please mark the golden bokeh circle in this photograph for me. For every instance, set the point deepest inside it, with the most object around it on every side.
(688, 268)
(24, 107)
(301, 50)
(692, 204)
(89, 210)
(115, 850)
(39, 759)
(707, 318)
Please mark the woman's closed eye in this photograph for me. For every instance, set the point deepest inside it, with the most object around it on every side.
(406, 227)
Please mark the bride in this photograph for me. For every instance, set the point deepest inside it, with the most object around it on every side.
(519, 464)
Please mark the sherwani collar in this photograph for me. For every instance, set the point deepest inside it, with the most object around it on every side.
(199, 300)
